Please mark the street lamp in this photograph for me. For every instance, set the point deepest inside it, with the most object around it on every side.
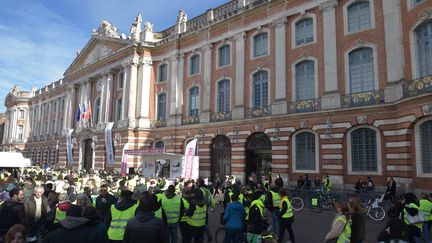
(328, 132)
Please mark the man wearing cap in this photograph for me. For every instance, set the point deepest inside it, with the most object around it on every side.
(119, 214)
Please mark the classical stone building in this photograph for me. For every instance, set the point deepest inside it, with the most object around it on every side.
(289, 87)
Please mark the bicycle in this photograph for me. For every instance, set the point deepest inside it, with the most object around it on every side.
(322, 200)
(374, 210)
(297, 203)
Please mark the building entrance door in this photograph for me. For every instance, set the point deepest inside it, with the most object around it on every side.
(258, 156)
(220, 158)
(88, 154)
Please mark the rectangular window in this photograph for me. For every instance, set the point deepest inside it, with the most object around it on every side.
(359, 16)
(194, 65)
(21, 114)
(121, 80)
(60, 126)
(304, 31)
(163, 72)
(305, 80)
(361, 70)
(224, 55)
(260, 44)
(364, 150)
(224, 96)
(20, 133)
(305, 151)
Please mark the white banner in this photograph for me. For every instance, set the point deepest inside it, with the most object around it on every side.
(148, 168)
(175, 168)
(108, 143)
(189, 158)
(69, 146)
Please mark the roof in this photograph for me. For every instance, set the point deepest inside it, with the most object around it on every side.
(13, 159)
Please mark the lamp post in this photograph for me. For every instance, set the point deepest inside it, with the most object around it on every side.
(328, 132)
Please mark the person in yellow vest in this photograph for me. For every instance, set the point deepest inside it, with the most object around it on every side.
(196, 218)
(426, 208)
(157, 198)
(341, 227)
(209, 201)
(286, 216)
(327, 184)
(411, 208)
(254, 218)
(171, 205)
(186, 196)
(272, 202)
(62, 207)
(119, 214)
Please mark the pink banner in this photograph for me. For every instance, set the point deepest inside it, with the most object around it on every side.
(189, 158)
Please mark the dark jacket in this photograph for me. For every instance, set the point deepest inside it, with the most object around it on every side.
(145, 226)
(103, 204)
(256, 223)
(358, 228)
(11, 213)
(121, 206)
(30, 210)
(77, 229)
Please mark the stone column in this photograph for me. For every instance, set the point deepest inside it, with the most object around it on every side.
(108, 85)
(125, 87)
(331, 98)
(56, 125)
(179, 90)
(394, 49)
(280, 104)
(132, 92)
(102, 98)
(14, 124)
(206, 89)
(172, 118)
(238, 108)
(144, 98)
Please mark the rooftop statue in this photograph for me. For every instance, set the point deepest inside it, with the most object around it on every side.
(135, 29)
(107, 29)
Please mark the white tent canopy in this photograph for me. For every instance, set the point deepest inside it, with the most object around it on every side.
(13, 160)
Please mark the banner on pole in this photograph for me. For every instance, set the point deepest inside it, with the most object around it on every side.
(69, 146)
(108, 143)
(124, 162)
(189, 158)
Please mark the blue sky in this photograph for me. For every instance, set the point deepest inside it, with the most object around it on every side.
(39, 38)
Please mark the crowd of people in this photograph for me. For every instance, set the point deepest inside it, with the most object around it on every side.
(70, 206)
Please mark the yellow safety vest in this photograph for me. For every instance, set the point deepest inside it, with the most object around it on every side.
(289, 212)
(345, 236)
(426, 209)
(241, 197)
(207, 195)
(59, 215)
(260, 206)
(119, 221)
(158, 213)
(276, 199)
(412, 205)
(171, 206)
(199, 217)
(186, 207)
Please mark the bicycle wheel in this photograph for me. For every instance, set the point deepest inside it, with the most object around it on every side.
(376, 214)
(220, 235)
(297, 203)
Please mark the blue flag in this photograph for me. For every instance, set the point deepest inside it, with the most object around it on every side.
(78, 113)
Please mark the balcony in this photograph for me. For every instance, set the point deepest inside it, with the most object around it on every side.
(362, 99)
(220, 116)
(188, 120)
(416, 87)
(258, 112)
(304, 106)
(158, 123)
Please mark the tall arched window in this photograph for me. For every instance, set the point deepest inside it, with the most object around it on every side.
(260, 89)
(426, 146)
(305, 150)
(359, 16)
(260, 45)
(361, 70)
(159, 144)
(423, 34)
(20, 133)
(304, 31)
(305, 80)
(97, 111)
(223, 90)
(194, 102)
(161, 107)
(364, 150)
(119, 109)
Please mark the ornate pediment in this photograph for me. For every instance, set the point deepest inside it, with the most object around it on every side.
(99, 51)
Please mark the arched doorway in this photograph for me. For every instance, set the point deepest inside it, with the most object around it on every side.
(258, 156)
(88, 154)
(220, 157)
